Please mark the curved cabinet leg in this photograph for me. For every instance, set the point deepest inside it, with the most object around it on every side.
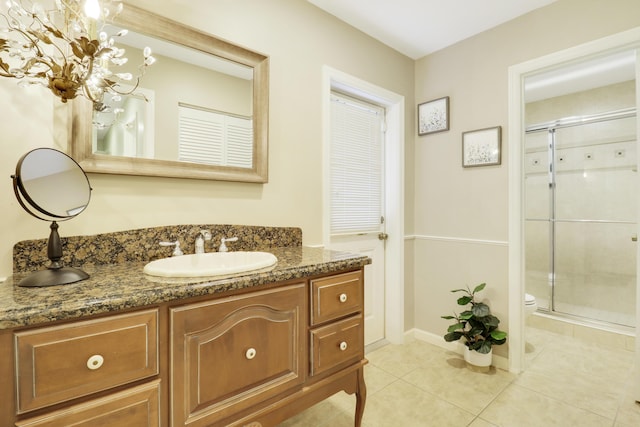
(361, 397)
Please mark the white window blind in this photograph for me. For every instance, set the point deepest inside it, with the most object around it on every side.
(356, 156)
(214, 138)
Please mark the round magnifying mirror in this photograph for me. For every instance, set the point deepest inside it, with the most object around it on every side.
(51, 186)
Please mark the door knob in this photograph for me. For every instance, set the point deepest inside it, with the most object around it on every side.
(383, 236)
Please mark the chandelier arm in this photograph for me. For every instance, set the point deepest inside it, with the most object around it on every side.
(33, 42)
(44, 62)
(129, 92)
(62, 36)
(10, 75)
(85, 87)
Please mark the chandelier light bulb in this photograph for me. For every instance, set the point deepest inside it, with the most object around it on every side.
(92, 9)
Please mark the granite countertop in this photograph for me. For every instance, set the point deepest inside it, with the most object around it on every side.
(123, 286)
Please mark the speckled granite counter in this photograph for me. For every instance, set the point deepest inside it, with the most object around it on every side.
(123, 286)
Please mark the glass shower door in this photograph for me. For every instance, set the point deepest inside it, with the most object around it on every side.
(537, 226)
(593, 216)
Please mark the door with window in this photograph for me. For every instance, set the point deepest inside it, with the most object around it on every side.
(356, 201)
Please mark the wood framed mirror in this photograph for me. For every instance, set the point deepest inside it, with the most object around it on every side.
(200, 88)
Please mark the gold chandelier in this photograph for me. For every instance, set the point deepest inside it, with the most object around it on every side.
(61, 44)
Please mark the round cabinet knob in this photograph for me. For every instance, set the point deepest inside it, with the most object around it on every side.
(343, 345)
(95, 362)
(250, 354)
(343, 297)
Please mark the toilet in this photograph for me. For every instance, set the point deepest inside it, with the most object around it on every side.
(530, 305)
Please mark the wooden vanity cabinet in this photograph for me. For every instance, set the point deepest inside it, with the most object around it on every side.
(251, 358)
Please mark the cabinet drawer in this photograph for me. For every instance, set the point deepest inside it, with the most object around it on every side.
(232, 353)
(336, 344)
(336, 296)
(60, 363)
(138, 406)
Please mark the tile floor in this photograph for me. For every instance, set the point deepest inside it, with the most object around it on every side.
(568, 383)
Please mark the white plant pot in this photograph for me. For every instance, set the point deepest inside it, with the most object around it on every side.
(478, 360)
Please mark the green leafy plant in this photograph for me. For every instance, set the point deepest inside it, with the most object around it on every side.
(477, 325)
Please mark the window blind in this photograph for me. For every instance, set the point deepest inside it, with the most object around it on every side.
(356, 166)
(214, 138)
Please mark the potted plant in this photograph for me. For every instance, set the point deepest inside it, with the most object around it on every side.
(477, 326)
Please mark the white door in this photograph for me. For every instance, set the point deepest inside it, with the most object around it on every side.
(356, 202)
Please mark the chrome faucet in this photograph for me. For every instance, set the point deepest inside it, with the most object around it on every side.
(200, 239)
(223, 246)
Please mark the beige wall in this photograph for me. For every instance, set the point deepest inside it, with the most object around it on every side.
(461, 215)
(299, 39)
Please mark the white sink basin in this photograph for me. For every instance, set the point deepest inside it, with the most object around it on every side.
(210, 264)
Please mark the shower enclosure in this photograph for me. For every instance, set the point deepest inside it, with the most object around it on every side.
(581, 209)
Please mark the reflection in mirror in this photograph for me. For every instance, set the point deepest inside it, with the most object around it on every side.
(214, 124)
(51, 186)
(199, 112)
(125, 125)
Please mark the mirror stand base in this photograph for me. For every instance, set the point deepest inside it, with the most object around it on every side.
(53, 277)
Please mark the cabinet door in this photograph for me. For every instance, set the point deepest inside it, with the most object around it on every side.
(232, 353)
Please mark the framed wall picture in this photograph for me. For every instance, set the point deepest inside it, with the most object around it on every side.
(433, 116)
(482, 147)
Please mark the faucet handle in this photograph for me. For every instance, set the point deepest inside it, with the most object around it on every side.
(223, 246)
(176, 250)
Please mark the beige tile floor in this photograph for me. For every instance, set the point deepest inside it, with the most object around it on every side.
(568, 383)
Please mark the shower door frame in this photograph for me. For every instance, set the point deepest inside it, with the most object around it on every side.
(629, 39)
(551, 127)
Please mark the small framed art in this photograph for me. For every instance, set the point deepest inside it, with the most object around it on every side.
(482, 147)
(433, 116)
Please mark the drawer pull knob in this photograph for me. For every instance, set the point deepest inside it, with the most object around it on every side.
(250, 354)
(343, 345)
(95, 362)
(343, 297)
